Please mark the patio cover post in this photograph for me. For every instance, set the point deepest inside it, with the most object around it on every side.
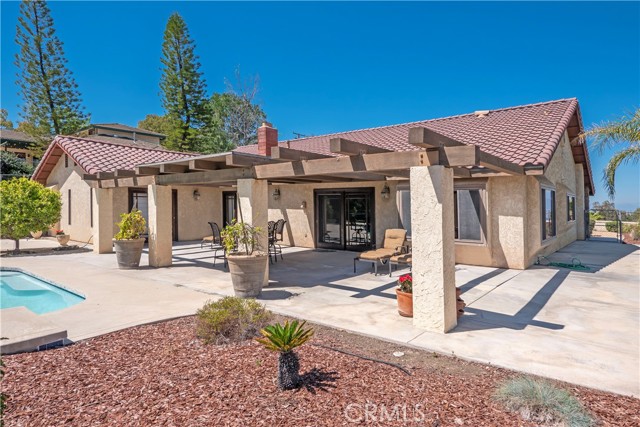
(160, 226)
(104, 220)
(432, 241)
(253, 203)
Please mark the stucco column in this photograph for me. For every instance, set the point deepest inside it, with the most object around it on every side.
(160, 226)
(103, 220)
(580, 202)
(253, 205)
(432, 240)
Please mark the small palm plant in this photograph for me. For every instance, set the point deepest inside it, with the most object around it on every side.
(284, 339)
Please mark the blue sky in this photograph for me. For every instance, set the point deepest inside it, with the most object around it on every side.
(328, 67)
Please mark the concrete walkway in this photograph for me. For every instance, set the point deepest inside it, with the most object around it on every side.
(579, 327)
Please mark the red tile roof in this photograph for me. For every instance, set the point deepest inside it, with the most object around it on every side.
(527, 134)
(95, 156)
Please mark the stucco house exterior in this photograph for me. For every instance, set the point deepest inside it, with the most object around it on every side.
(492, 188)
(19, 143)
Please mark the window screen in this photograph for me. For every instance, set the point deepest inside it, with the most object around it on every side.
(468, 215)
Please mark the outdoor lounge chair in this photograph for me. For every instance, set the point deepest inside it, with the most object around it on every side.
(394, 244)
(402, 259)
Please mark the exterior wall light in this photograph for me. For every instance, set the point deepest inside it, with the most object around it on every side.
(386, 192)
(276, 194)
(196, 194)
(303, 205)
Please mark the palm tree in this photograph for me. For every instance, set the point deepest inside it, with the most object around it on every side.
(623, 132)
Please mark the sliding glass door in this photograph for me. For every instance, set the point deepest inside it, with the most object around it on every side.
(344, 219)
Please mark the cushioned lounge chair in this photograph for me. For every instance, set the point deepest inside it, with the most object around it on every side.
(394, 244)
(402, 259)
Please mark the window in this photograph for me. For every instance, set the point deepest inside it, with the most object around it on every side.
(138, 199)
(69, 206)
(66, 160)
(548, 211)
(403, 200)
(469, 215)
(571, 207)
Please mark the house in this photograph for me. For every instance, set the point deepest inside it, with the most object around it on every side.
(492, 188)
(19, 143)
(119, 133)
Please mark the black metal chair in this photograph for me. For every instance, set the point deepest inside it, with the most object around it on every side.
(216, 243)
(271, 232)
(274, 246)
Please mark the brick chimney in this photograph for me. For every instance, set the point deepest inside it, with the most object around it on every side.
(267, 138)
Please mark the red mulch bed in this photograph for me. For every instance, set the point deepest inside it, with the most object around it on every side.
(161, 375)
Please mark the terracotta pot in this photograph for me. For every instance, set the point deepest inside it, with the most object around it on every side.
(36, 234)
(405, 303)
(248, 274)
(63, 239)
(128, 252)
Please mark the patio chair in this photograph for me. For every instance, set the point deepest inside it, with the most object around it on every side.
(394, 244)
(215, 240)
(271, 233)
(275, 248)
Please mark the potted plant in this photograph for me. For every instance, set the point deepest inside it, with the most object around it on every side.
(36, 234)
(404, 295)
(127, 241)
(247, 265)
(62, 238)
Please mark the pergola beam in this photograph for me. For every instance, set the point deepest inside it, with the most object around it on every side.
(205, 177)
(121, 173)
(246, 160)
(203, 165)
(291, 154)
(147, 170)
(376, 163)
(352, 148)
(173, 168)
(427, 138)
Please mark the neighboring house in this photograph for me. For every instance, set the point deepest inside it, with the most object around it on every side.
(118, 133)
(18, 143)
(520, 179)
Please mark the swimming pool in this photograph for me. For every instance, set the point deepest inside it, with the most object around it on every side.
(18, 288)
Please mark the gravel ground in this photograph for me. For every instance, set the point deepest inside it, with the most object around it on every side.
(161, 375)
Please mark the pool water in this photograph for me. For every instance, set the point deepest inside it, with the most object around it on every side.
(21, 289)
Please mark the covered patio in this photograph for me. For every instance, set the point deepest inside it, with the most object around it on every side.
(429, 167)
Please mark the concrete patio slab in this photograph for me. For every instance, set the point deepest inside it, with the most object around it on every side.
(579, 327)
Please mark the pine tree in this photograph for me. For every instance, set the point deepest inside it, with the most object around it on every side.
(183, 89)
(52, 103)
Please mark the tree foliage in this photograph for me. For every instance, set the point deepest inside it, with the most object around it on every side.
(52, 103)
(622, 134)
(5, 123)
(183, 88)
(11, 166)
(156, 123)
(26, 206)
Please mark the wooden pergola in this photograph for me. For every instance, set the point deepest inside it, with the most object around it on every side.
(350, 162)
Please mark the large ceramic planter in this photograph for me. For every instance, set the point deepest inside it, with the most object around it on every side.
(405, 303)
(63, 239)
(36, 234)
(128, 252)
(248, 274)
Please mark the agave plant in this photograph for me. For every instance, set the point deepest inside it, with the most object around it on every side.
(284, 339)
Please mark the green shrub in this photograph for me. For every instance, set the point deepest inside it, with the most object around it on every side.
(634, 230)
(592, 225)
(541, 402)
(613, 226)
(231, 319)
